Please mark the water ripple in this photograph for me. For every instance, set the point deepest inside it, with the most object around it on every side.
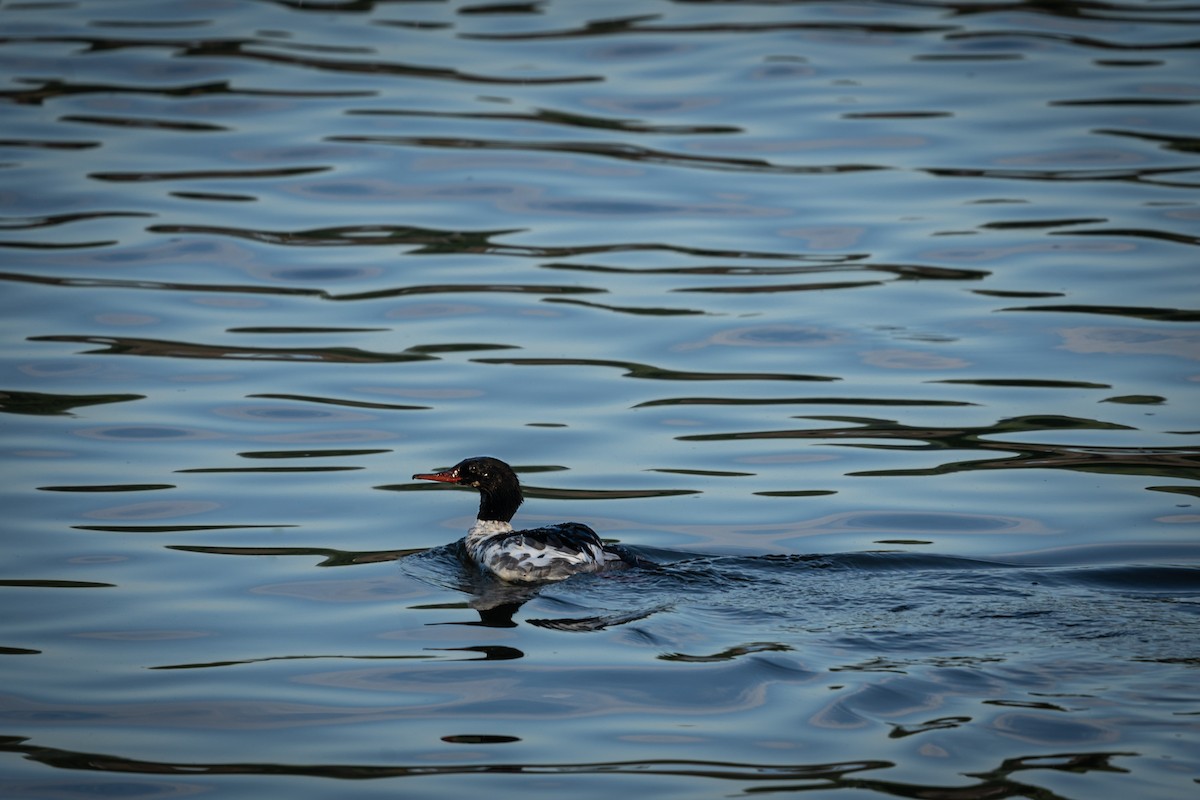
(616, 150)
(167, 349)
(635, 370)
(41, 403)
(1160, 461)
(266, 50)
(556, 117)
(640, 24)
(185, 175)
(53, 89)
(352, 237)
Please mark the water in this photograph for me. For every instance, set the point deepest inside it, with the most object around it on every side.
(873, 325)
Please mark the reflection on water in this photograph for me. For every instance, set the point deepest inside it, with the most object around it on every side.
(909, 457)
(1002, 781)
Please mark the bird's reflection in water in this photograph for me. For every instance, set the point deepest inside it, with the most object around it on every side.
(497, 602)
(494, 600)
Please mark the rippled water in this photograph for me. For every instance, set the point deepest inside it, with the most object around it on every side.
(872, 325)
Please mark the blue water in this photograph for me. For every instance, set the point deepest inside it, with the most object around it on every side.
(872, 325)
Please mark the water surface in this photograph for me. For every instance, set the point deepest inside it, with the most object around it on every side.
(872, 325)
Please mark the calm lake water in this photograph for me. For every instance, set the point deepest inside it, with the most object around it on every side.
(873, 324)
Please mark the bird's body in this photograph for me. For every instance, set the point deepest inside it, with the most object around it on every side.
(550, 553)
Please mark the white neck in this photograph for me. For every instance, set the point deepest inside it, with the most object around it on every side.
(488, 527)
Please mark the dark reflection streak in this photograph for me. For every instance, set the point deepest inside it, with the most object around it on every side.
(635, 370)
(49, 404)
(460, 347)
(1076, 763)
(1190, 491)
(1156, 314)
(164, 348)
(207, 470)
(60, 245)
(297, 291)
(502, 8)
(333, 558)
(1027, 704)
(344, 6)
(298, 329)
(1087, 11)
(1136, 232)
(886, 115)
(1171, 462)
(827, 265)
(1029, 295)
(942, 723)
(30, 223)
(1181, 144)
(1034, 383)
(309, 47)
(488, 652)
(117, 283)
(992, 785)
(780, 287)
(630, 26)
(307, 453)
(788, 401)
(728, 654)
(216, 196)
(625, 152)
(234, 174)
(614, 25)
(242, 662)
(434, 241)
(467, 241)
(380, 68)
(137, 122)
(1190, 185)
(419, 25)
(824, 265)
(44, 145)
(727, 770)
(242, 48)
(54, 584)
(1080, 41)
(597, 623)
(479, 242)
(1183, 465)
(553, 117)
(1022, 224)
(51, 89)
(655, 312)
(453, 288)
(703, 473)
(109, 487)
(541, 493)
(1061, 175)
(173, 528)
(888, 429)
(302, 398)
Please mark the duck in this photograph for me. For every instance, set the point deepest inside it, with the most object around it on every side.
(534, 555)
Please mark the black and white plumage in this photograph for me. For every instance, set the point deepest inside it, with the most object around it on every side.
(537, 554)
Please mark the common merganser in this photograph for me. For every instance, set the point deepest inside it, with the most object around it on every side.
(538, 554)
